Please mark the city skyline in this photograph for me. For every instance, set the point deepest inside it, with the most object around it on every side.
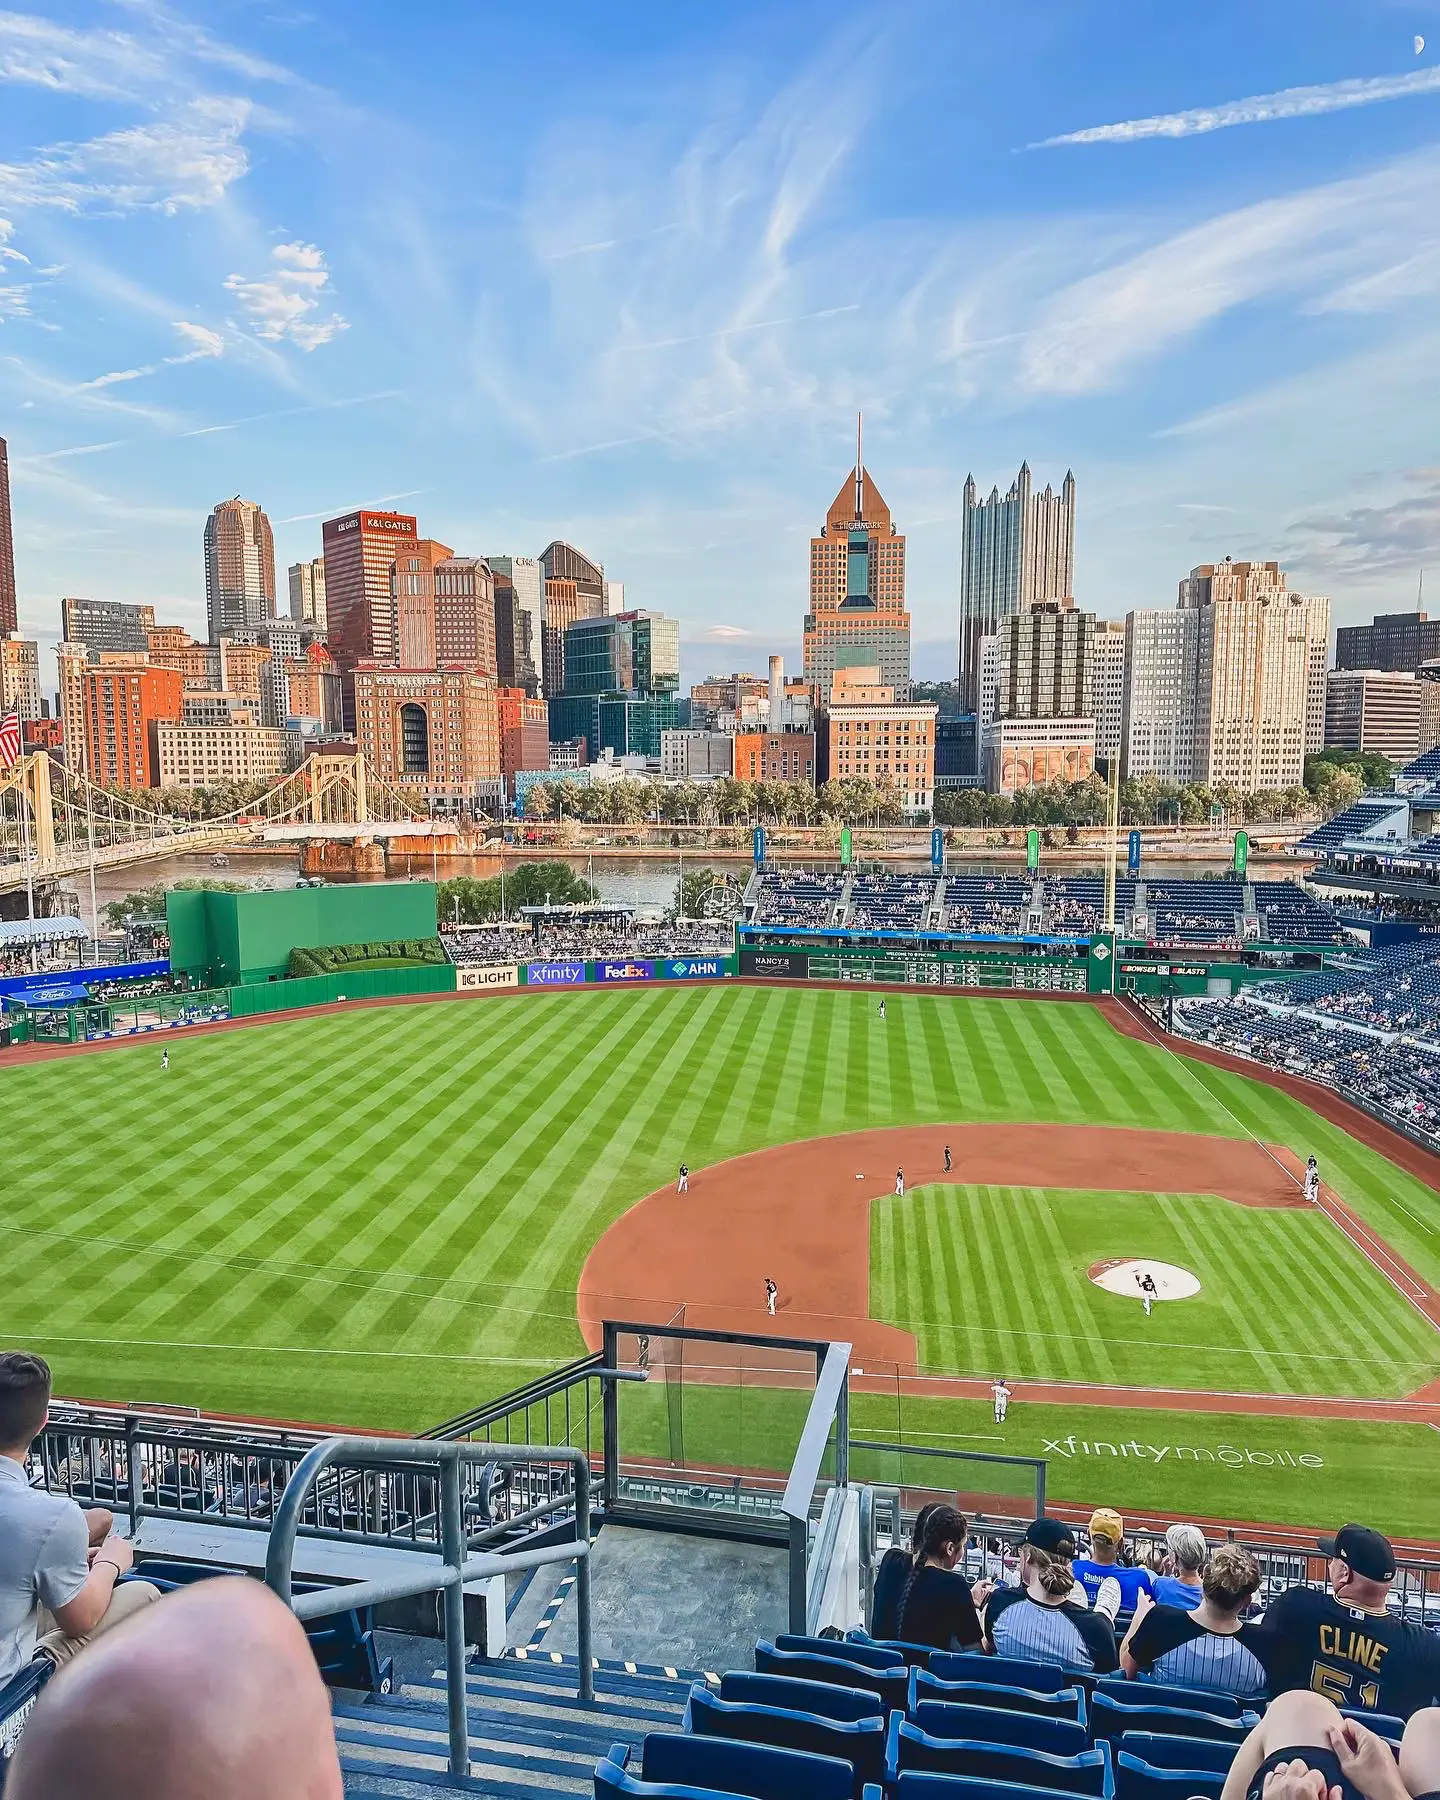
(1202, 273)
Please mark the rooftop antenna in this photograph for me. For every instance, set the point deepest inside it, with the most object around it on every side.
(859, 468)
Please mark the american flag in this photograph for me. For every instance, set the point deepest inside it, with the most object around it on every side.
(9, 739)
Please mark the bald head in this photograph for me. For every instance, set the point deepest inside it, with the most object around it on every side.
(212, 1694)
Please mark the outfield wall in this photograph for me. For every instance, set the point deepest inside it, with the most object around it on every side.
(229, 939)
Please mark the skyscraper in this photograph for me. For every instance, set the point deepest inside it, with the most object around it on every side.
(106, 624)
(239, 567)
(360, 552)
(307, 592)
(527, 579)
(574, 589)
(9, 605)
(465, 613)
(1161, 695)
(857, 615)
(412, 582)
(517, 647)
(1015, 553)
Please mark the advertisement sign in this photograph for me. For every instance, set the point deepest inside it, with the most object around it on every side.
(788, 965)
(1242, 852)
(554, 974)
(497, 975)
(847, 847)
(692, 968)
(1032, 848)
(1132, 862)
(639, 969)
(937, 850)
(759, 844)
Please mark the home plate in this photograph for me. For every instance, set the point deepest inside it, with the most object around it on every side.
(1172, 1283)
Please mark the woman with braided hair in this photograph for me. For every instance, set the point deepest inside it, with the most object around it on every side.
(919, 1598)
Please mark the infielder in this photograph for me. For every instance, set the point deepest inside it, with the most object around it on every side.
(1001, 1392)
(1312, 1182)
(900, 1183)
(683, 1186)
(771, 1295)
(947, 1159)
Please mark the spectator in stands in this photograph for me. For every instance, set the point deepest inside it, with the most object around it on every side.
(919, 1598)
(59, 1567)
(1107, 1535)
(214, 1692)
(1303, 1749)
(1377, 1661)
(1040, 1620)
(1185, 1553)
(1206, 1647)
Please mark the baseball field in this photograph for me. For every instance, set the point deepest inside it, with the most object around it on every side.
(380, 1217)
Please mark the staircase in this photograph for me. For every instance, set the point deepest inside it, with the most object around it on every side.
(529, 1734)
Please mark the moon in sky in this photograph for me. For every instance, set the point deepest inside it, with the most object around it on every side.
(1419, 45)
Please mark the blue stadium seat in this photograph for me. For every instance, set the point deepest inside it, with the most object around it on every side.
(17, 1697)
(820, 1697)
(892, 1685)
(871, 1655)
(1010, 1671)
(1162, 1751)
(917, 1655)
(1385, 1725)
(1067, 1703)
(1159, 1693)
(919, 1784)
(1137, 1780)
(1086, 1772)
(859, 1742)
(1057, 1737)
(1110, 1718)
(719, 1765)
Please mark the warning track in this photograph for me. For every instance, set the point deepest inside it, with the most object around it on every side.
(798, 1211)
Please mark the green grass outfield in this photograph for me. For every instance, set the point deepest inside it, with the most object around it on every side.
(379, 1217)
(996, 1278)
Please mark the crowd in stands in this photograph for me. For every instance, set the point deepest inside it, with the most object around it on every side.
(890, 902)
(986, 903)
(798, 898)
(1048, 1668)
(580, 940)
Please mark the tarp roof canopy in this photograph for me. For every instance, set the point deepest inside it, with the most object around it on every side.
(40, 931)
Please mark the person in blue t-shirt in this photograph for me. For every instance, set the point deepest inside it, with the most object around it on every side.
(1107, 1533)
(1185, 1553)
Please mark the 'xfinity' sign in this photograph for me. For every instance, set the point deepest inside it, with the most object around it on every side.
(554, 974)
(1233, 1456)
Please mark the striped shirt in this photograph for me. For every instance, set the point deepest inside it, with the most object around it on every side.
(1020, 1627)
(1170, 1646)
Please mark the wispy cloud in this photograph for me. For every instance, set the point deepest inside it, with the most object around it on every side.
(1402, 534)
(282, 305)
(1258, 109)
(204, 344)
(183, 162)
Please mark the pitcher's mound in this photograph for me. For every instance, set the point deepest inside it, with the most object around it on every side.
(1124, 1278)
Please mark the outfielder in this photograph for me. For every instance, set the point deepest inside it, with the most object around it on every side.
(1001, 1391)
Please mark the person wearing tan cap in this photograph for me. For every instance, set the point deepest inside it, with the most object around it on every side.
(1107, 1533)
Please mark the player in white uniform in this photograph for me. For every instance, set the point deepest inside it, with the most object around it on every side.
(771, 1294)
(1001, 1391)
(1149, 1293)
(683, 1185)
(1312, 1182)
(900, 1183)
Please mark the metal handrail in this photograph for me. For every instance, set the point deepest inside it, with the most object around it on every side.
(459, 1567)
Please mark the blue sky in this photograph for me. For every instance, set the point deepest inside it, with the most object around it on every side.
(623, 274)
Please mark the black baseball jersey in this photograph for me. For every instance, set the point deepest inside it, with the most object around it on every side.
(1308, 1639)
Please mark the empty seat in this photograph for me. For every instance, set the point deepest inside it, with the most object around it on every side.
(1159, 1693)
(1011, 1671)
(941, 1719)
(801, 1696)
(1110, 1718)
(858, 1742)
(1162, 1751)
(892, 1685)
(919, 1784)
(917, 1655)
(1066, 1703)
(718, 1765)
(1137, 1780)
(1086, 1772)
(871, 1655)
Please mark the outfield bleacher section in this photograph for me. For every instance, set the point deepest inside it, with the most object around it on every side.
(1288, 915)
(1197, 912)
(798, 898)
(890, 902)
(986, 903)
(1356, 821)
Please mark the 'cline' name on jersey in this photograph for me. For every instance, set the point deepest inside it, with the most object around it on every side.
(1352, 1646)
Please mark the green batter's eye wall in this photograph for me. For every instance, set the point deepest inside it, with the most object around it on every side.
(227, 940)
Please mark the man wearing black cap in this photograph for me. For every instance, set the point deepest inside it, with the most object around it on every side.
(1349, 1647)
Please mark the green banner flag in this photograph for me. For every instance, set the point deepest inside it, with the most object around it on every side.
(1032, 848)
(1242, 852)
(847, 846)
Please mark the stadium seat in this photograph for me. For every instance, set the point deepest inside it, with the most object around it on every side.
(17, 1697)
(1085, 1772)
(859, 1742)
(1385, 1725)
(1162, 1751)
(1159, 1693)
(820, 1697)
(917, 1655)
(1058, 1737)
(1110, 1718)
(871, 1655)
(720, 1765)
(892, 1685)
(1066, 1703)
(920, 1784)
(1010, 1671)
(1137, 1780)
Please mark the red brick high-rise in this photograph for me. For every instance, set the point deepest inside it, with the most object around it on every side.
(360, 552)
(9, 608)
(124, 702)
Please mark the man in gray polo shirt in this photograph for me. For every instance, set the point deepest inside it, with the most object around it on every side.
(57, 1587)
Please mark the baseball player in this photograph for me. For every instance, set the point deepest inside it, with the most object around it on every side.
(165, 1058)
(947, 1159)
(1001, 1391)
(772, 1293)
(900, 1183)
(1149, 1293)
(1312, 1182)
(683, 1186)
(882, 1009)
